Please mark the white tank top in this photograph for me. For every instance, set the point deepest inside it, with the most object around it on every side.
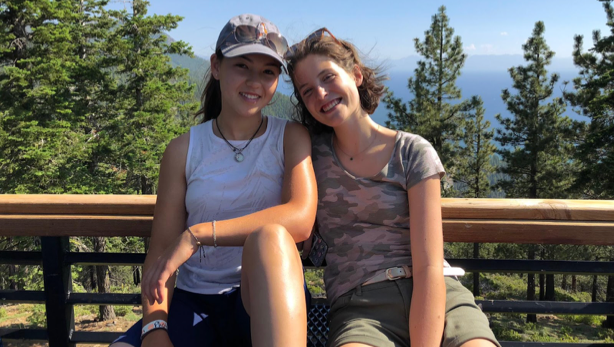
(219, 188)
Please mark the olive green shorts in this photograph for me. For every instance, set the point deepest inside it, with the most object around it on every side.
(378, 315)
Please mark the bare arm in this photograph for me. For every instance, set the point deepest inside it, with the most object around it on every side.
(427, 313)
(299, 199)
(296, 213)
(168, 223)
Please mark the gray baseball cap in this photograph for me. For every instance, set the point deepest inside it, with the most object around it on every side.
(250, 33)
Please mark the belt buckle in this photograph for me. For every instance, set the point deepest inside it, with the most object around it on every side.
(391, 277)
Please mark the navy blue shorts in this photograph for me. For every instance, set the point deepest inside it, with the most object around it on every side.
(204, 320)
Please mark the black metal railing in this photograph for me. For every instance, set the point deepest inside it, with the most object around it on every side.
(56, 261)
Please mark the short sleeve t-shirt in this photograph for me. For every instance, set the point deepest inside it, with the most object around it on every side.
(365, 221)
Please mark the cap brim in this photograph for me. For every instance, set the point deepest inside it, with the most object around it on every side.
(252, 48)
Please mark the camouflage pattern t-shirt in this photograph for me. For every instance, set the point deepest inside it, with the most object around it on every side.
(365, 221)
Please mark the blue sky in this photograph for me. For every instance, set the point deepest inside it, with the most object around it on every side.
(385, 29)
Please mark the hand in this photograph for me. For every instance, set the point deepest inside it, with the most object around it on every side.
(156, 276)
(157, 338)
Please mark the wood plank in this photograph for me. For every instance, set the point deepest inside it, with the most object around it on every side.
(533, 209)
(71, 225)
(77, 204)
(455, 230)
(452, 208)
(528, 231)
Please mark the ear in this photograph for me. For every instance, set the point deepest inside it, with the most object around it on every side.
(215, 66)
(357, 75)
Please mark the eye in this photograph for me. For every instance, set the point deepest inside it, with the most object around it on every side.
(307, 92)
(241, 66)
(328, 77)
(271, 72)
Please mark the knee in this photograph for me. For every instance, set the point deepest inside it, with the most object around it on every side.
(271, 240)
(270, 235)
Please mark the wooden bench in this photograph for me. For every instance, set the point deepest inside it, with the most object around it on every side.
(54, 218)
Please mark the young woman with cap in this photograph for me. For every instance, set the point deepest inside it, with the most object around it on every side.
(387, 286)
(235, 194)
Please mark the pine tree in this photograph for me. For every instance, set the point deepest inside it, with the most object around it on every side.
(594, 98)
(436, 108)
(88, 101)
(155, 100)
(535, 142)
(35, 97)
(94, 90)
(475, 169)
(476, 153)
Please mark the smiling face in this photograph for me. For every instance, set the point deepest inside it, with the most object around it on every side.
(329, 92)
(247, 83)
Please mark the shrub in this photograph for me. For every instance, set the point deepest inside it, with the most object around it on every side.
(314, 281)
(595, 321)
(132, 317)
(85, 310)
(607, 335)
(509, 335)
(504, 287)
(531, 326)
(37, 318)
(122, 311)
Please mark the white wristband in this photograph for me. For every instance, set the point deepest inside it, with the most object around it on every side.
(153, 325)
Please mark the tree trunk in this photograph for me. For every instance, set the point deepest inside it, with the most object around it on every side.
(531, 286)
(550, 293)
(564, 282)
(476, 275)
(573, 283)
(93, 282)
(146, 187)
(542, 288)
(595, 288)
(609, 297)
(12, 271)
(136, 275)
(106, 312)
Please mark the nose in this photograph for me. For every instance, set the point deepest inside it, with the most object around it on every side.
(321, 92)
(252, 79)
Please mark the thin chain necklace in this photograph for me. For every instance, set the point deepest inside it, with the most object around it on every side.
(361, 152)
(238, 151)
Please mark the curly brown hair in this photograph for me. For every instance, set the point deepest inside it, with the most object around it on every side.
(345, 55)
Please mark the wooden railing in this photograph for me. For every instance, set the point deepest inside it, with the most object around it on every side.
(54, 218)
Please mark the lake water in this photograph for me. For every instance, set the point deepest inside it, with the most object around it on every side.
(487, 84)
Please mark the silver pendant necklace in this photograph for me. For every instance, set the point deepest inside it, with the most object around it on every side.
(239, 151)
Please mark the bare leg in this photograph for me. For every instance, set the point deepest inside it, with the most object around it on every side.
(478, 343)
(470, 343)
(272, 288)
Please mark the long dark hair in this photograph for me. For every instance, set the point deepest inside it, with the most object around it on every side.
(345, 55)
(211, 100)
